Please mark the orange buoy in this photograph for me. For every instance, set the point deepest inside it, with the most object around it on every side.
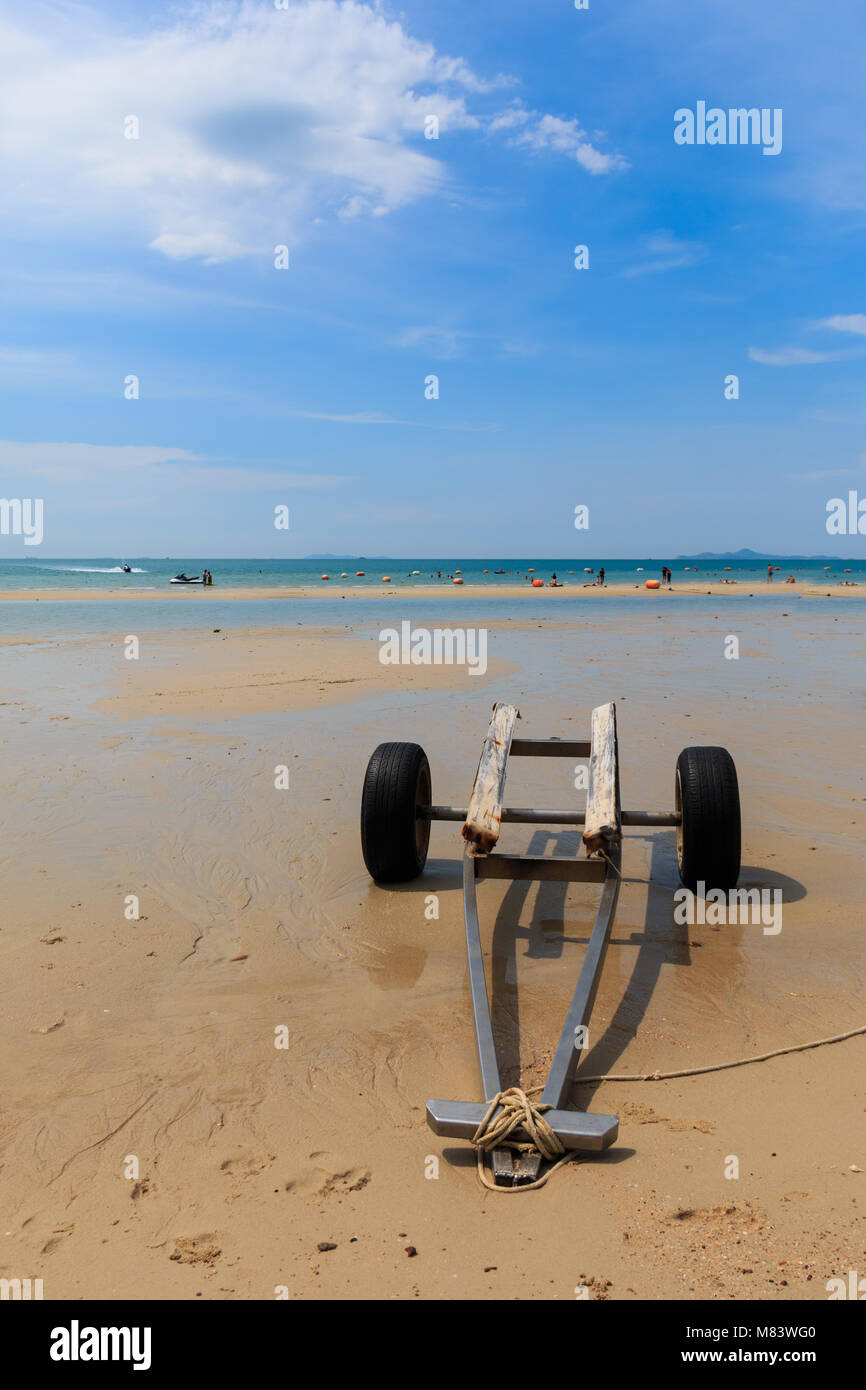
(486, 571)
(456, 581)
(458, 571)
(386, 579)
(359, 574)
(538, 583)
(530, 570)
(326, 576)
(652, 584)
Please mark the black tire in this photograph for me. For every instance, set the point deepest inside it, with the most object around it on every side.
(394, 838)
(708, 836)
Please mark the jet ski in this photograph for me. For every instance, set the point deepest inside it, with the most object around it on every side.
(185, 579)
(127, 569)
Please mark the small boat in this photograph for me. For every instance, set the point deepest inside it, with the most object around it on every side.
(185, 579)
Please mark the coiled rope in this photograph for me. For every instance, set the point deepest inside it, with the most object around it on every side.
(517, 1111)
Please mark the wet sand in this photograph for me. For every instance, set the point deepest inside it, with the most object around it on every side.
(154, 1039)
(572, 588)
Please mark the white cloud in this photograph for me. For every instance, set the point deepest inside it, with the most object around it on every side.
(372, 417)
(210, 247)
(254, 122)
(663, 252)
(845, 323)
(20, 365)
(820, 473)
(65, 462)
(218, 479)
(792, 356)
(441, 343)
(565, 136)
(445, 344)
(69, 463)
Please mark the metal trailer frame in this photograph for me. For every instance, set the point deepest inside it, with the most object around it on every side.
(603, 820)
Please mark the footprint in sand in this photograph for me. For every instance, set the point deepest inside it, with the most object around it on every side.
(326, 1181)
(196, 1250)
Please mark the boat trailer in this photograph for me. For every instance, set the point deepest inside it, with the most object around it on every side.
(396, 814)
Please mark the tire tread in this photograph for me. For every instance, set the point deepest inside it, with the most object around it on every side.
(388, 816)
(711, 825)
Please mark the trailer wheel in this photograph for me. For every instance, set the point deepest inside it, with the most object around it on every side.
(708, 835)
(394, 836)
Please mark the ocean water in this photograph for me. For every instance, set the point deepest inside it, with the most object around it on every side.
(203, 610)
(307, 600)
(105, 574)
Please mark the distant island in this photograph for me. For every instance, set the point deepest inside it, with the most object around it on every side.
(752, 555)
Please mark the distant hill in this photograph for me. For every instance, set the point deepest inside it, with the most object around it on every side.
(747, 554)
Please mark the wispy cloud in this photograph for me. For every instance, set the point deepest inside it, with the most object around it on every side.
(564, 135)
(219, 479)
(63, 462)
(845, 323)
(663, 252)
(92, 463)
(24, 365)
(371, 512)
(793, 356)
(819, 473)
(445, 344)
(372, 417)
(442, 343)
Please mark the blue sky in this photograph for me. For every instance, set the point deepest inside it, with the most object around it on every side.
(411, 257)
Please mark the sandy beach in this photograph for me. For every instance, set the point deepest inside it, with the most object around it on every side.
(157, 1142)
(807, 589)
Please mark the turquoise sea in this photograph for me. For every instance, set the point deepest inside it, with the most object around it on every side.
(105, 573)
(307, 600)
